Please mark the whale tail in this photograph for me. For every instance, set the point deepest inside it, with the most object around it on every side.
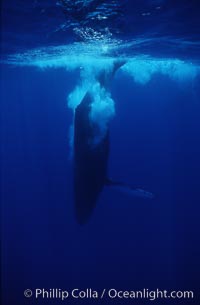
(105, 76)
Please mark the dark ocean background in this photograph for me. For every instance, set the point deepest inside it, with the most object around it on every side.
(129, 243)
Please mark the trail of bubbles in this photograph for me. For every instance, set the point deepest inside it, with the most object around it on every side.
(142, 70)
(102, 106)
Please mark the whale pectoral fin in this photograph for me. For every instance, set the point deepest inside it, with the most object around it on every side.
(128, 189)
(142, 193)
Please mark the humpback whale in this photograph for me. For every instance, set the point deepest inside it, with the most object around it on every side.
(91, 160)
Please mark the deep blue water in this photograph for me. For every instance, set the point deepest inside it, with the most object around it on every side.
(128, 243)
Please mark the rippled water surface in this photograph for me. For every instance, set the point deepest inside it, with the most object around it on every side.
(162, 28)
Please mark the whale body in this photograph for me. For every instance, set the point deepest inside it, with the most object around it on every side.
(91, 157)
(90, 162)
